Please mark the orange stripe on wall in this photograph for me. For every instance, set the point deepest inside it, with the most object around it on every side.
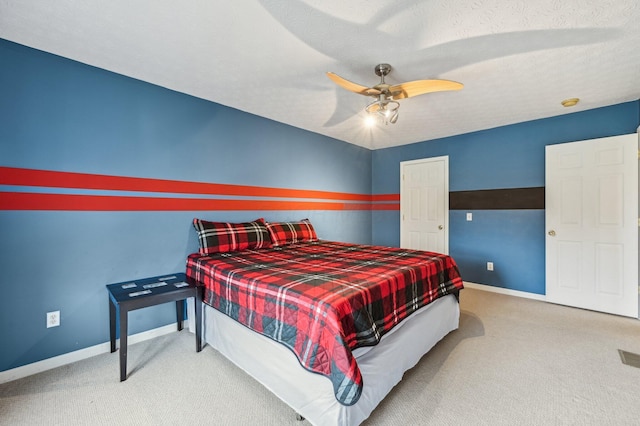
(386, 197)
(55, 179)
(74, 202)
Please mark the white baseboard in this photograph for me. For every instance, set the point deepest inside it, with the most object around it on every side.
(70, 357)
(506, 291)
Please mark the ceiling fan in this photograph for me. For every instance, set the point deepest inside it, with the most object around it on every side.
(385, 107)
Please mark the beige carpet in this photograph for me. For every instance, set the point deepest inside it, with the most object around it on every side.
(513, 361)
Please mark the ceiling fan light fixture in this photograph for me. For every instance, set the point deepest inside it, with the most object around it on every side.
(383, 110)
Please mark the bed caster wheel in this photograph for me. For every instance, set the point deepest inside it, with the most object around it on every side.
(299, 417)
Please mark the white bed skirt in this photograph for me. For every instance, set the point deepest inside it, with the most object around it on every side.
(311, 395)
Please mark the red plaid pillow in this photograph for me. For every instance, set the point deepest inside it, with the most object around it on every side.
(220, 237)
(291, 232)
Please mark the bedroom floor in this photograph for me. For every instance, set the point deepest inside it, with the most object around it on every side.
(513, 361)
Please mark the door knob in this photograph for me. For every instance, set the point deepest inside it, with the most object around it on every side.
(552, 233)
(440, 227)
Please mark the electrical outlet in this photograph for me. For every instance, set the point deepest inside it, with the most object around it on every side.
(53, 319)
(469, 217)
(489, 266)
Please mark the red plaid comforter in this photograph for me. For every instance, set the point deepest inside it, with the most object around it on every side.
(324, 299)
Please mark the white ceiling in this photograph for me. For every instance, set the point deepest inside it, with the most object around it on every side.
(517, 58)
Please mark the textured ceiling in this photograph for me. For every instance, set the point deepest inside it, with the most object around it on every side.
(517, 58)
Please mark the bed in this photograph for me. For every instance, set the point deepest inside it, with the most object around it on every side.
(328, 327)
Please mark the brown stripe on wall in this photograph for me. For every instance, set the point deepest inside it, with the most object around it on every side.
(498, 199)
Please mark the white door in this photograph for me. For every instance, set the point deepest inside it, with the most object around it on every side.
(592, 224)
(424, 204)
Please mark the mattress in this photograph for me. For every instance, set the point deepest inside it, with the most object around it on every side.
(311, 395)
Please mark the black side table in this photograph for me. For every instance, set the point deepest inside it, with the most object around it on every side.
(130, 295)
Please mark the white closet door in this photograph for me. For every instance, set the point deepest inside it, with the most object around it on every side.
(592, 224)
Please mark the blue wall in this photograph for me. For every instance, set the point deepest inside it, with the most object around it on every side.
(57, 114)
(60, 115)
(505, 157)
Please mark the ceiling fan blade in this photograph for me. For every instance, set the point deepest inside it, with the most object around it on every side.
(353, 87)
(419, 87)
